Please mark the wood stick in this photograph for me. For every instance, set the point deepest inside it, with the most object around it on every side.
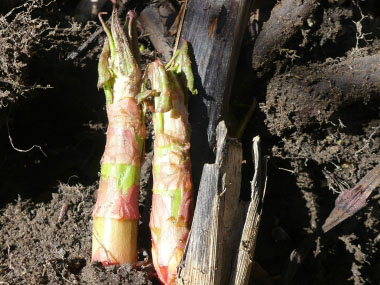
(156, 22)
(285, 21)
(215, 230)
(243, 267)
(214, 30)
(351, 201)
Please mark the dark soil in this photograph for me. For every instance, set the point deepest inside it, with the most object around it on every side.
(50, 243)
(318, 116)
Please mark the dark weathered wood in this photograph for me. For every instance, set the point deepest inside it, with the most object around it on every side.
(242, 269)
(215, 231)
(214, 30)
(286, 19)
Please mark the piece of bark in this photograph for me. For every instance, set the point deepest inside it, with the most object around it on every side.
(351, 201)
(314, 94)
(88, 9)
(244, 260)
(156, 21)
(214, 30)
(286, 20)
(215, 229)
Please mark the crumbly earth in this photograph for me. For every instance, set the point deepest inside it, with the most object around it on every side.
(319, 123)
(322, 135)
(31, 40)
(50, 243)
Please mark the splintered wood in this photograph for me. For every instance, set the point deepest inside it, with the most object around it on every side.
(205, 254)
(247, 245)
(220, 245)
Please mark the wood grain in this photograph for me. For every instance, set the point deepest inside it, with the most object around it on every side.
(207, 259)
(244, 261)
(214, 30)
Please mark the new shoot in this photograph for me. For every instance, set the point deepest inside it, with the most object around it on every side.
(116, 213)
(172, 203)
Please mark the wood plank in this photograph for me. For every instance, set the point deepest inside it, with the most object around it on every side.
(214, 30)
(208, 256)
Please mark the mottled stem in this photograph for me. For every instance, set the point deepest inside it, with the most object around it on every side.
(172, 203)
(116, 211)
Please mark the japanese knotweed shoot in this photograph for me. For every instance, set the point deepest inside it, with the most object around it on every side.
(116, 213)
(172, 203)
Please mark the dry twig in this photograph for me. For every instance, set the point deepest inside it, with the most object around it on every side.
(351, 201)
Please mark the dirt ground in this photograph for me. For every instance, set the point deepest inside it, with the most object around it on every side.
(318, 116)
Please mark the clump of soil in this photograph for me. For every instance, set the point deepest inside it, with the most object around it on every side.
(49, 135)
(51, 243)
(321, 110)
(304, 97)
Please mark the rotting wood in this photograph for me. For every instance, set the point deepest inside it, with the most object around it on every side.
(206, 256)
(215, 31)
(244, 261)
(286, 20)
